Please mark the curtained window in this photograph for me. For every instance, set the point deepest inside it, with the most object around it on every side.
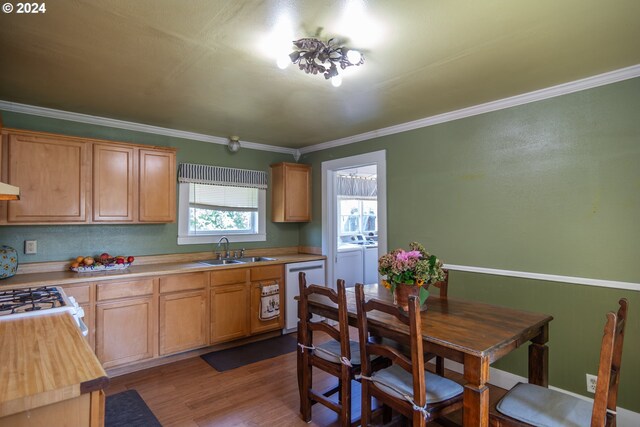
(221, 201)
(357, 205)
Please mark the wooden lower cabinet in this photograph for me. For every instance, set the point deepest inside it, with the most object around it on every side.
(265, 276)
(86, 410)
(258, 326)
(229, 318)
(183, 312)
(125, 331)
(131, 321)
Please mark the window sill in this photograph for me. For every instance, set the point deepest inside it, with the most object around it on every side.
(214, 238)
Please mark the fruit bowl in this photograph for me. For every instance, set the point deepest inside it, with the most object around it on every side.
(104, 262)
(101, 267)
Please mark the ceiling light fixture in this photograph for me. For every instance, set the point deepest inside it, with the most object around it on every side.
(234, 144)
(314, 56)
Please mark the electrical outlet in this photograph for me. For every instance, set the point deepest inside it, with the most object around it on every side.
(30, 247)
(592, 380)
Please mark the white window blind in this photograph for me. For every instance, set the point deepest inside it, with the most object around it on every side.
(223, 198)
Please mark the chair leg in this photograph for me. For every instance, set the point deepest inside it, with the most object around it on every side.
(387, 414)
(345, 403)
(440, 366)
(304, 383)
(365, 405)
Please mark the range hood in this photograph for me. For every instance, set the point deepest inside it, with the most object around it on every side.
(9, 192)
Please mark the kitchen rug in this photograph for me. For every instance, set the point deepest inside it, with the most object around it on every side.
(128, 409)
(232, 358)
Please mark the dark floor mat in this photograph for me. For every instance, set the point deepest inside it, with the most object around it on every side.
(250, 353)
(128, 409)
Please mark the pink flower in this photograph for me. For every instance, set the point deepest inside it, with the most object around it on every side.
(406, 256)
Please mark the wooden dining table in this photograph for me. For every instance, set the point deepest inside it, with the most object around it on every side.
(469, 332)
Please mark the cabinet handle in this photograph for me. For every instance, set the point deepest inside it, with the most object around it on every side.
(313, 267)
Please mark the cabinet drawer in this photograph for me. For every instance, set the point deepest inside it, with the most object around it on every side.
(113, 290)
(82, 293)
(228, 277)
(183, 282)
(266, 272)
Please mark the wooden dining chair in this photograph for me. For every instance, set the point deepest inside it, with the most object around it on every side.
(404, 386)
(339, 356)
(532, 405)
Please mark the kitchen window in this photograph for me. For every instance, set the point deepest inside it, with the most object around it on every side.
(357, 206)
(216, 201)
(357, 216)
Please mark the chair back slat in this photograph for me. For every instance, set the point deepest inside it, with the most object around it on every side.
(609, 366)
(325, 328)
(340, 332)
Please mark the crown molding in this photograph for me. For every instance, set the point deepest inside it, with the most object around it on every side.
(138, 127)
(526, 98)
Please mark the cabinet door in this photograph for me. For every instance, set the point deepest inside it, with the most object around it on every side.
(183, 321)
(257, 325)
(291, 192)
(157, 186)
(113, 183)
(297, 196)
(52, 176)
(229, 308)
(82, 295)
(124, 331)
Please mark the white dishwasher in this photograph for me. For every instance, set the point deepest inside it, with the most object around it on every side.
(315, 275)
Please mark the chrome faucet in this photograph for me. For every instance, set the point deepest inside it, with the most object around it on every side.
(226, 246)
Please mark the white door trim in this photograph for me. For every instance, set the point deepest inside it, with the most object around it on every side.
(329, 168)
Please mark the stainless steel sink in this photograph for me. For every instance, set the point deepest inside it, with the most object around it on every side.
(255, 259)
(221, 261)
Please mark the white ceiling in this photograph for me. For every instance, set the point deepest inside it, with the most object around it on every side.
(207, 66)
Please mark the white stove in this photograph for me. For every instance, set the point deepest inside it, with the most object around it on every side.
(39, 301)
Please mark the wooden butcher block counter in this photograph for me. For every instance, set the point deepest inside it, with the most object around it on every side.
(50, 376)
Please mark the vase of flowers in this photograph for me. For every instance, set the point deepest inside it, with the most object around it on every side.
(410, 273)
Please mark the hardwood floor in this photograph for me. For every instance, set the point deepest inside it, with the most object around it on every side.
(191, 393)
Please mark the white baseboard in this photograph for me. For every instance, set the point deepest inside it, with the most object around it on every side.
(507, 380)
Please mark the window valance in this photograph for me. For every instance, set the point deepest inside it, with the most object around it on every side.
(217, 175)
(357, 188)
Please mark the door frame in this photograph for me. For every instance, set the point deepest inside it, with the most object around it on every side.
(329, 212)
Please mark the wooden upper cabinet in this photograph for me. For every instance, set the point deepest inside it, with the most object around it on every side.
(157, 186)
(113, 183)
(291, 192)
(53, 178)
(65, 179)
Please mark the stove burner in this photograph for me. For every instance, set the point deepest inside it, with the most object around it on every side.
(31, 299)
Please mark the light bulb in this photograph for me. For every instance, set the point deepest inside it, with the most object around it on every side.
(234, 144)
(354, 56)
(336, 80)
(283, 61)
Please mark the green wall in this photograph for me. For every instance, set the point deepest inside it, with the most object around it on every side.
(549, 187)
(58, 243)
